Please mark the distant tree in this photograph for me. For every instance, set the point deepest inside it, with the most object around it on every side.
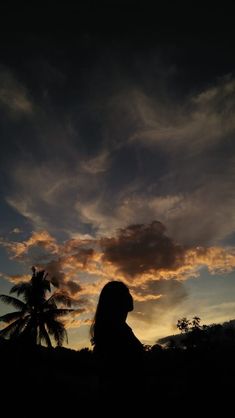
(147, 347)
(36, 316)
(156, 348)
(171, 344)
(196, 323)
(183, 324)
(205, 327)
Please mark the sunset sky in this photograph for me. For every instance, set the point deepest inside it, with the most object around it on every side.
(118, 160)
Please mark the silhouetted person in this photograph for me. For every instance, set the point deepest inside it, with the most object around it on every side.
(118, 351)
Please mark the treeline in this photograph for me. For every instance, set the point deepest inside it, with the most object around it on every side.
(173, 374)
(197, 336)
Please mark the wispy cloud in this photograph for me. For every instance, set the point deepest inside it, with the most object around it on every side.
(152, 159)
(16, 230)
(194, 126)
(178, 161)
(98, 164)
(14, 96)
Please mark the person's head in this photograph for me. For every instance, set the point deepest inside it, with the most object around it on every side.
(115, 301)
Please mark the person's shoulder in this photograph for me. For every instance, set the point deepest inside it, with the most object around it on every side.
(132, 337)
(127, 327)
(128, 330)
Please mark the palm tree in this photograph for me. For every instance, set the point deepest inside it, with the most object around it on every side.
(36, 316)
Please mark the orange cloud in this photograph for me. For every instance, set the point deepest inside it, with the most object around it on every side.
(40, 239)
(143, 256)
(136, 255)
(217, 259)
(16, 278)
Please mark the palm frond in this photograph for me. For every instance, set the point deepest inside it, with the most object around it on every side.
(43, 335)
(47, 284)
(52, 314)
(29, 332)
(19, 331)
(14, 329)
(58, 312)
(57, 329)
(21, 288)
(61, 297)
(61, 312)
(11, 316)
(49, 303)
(10, 300)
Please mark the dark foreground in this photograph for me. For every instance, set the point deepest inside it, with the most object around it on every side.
(42, 381)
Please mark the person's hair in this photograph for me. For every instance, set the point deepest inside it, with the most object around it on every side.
(115, 301)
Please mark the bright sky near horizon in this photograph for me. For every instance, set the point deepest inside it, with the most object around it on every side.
(118, 162)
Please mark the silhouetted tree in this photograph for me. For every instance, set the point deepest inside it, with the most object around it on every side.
(183, 324)
(196, 322)
(36, 317)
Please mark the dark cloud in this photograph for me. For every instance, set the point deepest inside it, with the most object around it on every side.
(73, 287)
(82, 256)
(55, 271)
(140, 249)
(102, 103)
(70, 257)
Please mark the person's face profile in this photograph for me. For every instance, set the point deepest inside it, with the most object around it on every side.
(130, 302)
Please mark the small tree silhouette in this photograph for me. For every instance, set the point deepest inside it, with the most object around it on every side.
(192, 330)
(196, 323)
(36, 317)
(183, 324)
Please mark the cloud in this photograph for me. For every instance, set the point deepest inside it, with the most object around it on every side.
(41, 241)
(74, 320)
(16, 231)
(50, 186)
(14, 97)
(152, 159)
(171, 294)
(177, 166)
(181, 156)
(141, 249)
(62, 186)
(16, 278)
(217, 259)
(194, 126)
(87, 154)
(73, 287)
(155, 317)
(98, 164)
(195, 138)
(56, 272)
(152, 264)
(136, 254)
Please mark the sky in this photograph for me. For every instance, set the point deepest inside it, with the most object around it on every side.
(118, 158)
